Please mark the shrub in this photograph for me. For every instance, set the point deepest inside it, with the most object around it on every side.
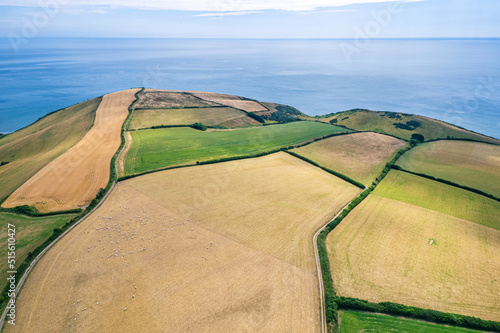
(260, 119)
(199, 126)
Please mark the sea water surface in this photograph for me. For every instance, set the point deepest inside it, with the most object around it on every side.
(457, 81)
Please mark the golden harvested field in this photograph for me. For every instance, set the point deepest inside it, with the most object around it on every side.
(233, 101)
(31, 148)
(146, 118)
(74, 178)
(214, 248)
(361, 156)
(472, 164)
(388, 250)
(165, 99)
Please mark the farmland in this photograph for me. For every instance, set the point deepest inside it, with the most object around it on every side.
(221, 116)
(390, 250)
(383, 122)
(467, 163)
(74, 178)
(233, 101)
(439, 197)
(31, 148)
(164, 99)
(30, 233)
(361, 156)
(152, 149)
(231, 256)
(368, 322)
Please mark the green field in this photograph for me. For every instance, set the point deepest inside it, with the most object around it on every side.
(153, 149)
(471, 164)
(31, 148)
(383, 122)
(222, 116)
(360, 156)
(353, 321)
(30, 233)
(446, 199)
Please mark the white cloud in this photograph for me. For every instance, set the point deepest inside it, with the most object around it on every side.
(227, 14)
(201, 5)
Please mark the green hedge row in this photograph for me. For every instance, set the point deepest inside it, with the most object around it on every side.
(335, 173)
(447, 182)
(331, 304)
(418, 313)
(448, 138)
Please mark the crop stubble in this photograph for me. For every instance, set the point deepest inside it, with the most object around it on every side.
(238, 258)
(74, 178)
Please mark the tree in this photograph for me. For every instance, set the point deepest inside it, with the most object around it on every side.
(416, 139)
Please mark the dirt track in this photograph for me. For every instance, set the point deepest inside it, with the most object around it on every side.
(74, 178)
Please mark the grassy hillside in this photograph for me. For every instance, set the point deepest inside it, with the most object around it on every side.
(215, 116)
(443, 198)
(471, 164)
(30, 233)
(353, 321)
(401, 125)
(31, 148)
(360, 156)
(152, 149)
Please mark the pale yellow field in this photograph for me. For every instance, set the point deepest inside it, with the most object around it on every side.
(233, 101)
(382, 252)
(361, 156)
(74, 178)
(213, 248)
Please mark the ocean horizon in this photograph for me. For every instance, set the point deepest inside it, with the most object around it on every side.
(451, 79)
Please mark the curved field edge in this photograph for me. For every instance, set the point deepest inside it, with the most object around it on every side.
(360, 156)
(333, 303)
(28, 150)
(197, 224)
(24, 269)
(75, 177)
(160, 148)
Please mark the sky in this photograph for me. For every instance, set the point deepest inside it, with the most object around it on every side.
(250, 18)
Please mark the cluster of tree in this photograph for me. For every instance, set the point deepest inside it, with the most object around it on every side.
(284, 114)
(257, 117)
(2, 135)
(410, 125)
(392, 115)
(416, 138)
(199, 126)
(447, 182)
(333, 121)
(418, 313)
(4, 163)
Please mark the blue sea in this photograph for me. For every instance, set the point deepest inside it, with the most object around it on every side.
(457, 81)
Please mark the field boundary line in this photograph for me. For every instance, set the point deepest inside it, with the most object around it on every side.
(227, 159)
(447, 182)
(320, 272)
(33, 263)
